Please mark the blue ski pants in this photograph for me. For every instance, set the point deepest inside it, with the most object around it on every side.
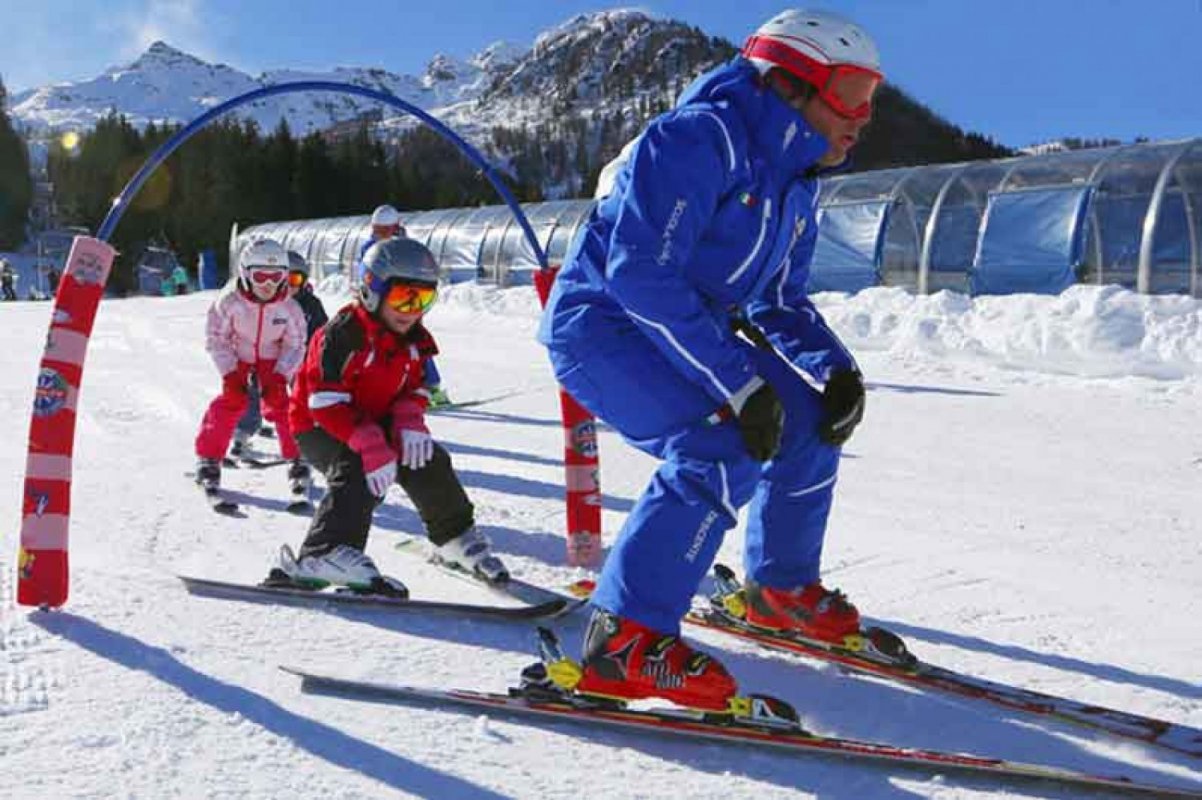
(672, 534)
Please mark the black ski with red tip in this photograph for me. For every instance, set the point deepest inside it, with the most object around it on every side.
(770, 724)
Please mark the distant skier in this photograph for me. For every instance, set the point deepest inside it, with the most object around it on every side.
(300, 290)
(710, 227)
(386, 224)
(253, 331)
(8, 278)
(358, 410)
(179, 277)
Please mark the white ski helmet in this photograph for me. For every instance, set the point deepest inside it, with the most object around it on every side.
(385, 216)
(261, 254)
(826, 50)
(395, 261)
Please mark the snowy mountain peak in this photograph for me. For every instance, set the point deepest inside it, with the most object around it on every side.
(167, 84)
(498, 55)
(161, 53)
(589, 24)
(616, 54)
(446, 68)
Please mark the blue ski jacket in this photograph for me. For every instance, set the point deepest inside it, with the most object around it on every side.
(712, 216)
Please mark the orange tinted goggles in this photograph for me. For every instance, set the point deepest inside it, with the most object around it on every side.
(297, 279)
(410, 298)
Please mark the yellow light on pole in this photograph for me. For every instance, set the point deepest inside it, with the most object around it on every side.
(69, 141)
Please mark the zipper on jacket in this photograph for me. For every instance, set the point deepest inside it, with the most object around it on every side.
(259, 333)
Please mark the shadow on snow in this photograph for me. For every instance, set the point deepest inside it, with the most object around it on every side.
(319, 739)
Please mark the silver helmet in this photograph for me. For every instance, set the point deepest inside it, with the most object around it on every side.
(404, 260)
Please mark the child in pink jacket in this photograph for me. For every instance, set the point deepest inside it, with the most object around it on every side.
(254, 330)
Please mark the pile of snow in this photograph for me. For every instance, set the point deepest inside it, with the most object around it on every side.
(1095, 331)
(1088, 331)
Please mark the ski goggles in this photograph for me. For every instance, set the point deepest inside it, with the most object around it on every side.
(408, 298)
(262, 276)
(848, 89)
(297, 279)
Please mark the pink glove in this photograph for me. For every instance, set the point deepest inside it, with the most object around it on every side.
(410, 433)
(379, 460)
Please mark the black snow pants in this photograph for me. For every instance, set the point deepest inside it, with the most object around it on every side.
(344, 514)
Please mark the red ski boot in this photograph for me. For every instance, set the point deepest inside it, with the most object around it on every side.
(628, 661)
(813, 611)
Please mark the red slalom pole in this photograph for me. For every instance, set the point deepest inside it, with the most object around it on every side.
(42, 572)
(582, 464)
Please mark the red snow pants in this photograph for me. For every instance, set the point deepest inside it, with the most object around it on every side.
(217, 427)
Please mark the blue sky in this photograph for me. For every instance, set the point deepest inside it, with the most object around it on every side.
(1021, 71)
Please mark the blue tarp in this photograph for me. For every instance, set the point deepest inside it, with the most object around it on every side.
(208, 270)
(847, 255)
(1031, 241)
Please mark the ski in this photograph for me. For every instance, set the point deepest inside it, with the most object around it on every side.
(301, 507)
(299, 486)
(753, 721)
(220, 503)
(878, 652)
(252, 461)
(576, 597)
(222, 590)
(460, 406)
(216, 498)
(257, 462)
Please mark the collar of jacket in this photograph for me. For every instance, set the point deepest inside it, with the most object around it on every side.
(777, 130)
(781, 132)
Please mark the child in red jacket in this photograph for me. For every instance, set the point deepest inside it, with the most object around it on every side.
(358, 413)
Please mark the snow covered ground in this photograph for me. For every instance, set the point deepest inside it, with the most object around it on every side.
(1023, 500)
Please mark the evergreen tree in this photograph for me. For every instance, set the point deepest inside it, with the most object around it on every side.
(16, 183)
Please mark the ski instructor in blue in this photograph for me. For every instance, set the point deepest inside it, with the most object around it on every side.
(681, 319)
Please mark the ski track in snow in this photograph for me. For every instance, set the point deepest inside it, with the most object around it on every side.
(1021, 502)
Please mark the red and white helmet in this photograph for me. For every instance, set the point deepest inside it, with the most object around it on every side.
(825, 50)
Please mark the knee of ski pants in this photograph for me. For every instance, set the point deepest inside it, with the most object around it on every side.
(324, 451)
(341, 466)
(274, 395)
(231, 404)
(636, 391)
(708, 463)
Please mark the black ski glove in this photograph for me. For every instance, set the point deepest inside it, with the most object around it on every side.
(843, 404)
(760, 421)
